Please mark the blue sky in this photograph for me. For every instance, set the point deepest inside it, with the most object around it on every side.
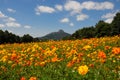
(40, 17)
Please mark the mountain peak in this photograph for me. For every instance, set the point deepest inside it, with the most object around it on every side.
(55, 35)
(61, 30)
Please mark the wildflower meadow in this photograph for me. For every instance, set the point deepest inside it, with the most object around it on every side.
(86, 59)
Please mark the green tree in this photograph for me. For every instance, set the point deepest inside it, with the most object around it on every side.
(102, 29)
(2, 37)
(116, 24)
(87, 32)
(7, 37)
(27, 38)
(76, 35)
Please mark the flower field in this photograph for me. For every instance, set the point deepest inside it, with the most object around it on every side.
(86, 59)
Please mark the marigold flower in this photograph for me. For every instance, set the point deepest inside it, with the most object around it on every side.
(52, 46)
(83, 69)
(73, 51)
(13, 65)
(4, 58)
(13, 56)
(102, 60)
(22, 78)
(116, 50)
(54, 59)
(101, 54)
(28, 63)
(42, 63)
(86, 47)
(107, 47)
(91, 65)
(33, 78)
(70, 64)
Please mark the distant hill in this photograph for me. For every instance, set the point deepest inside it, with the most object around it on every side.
(55, 35)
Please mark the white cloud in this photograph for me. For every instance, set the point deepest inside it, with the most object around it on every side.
(59, 7)
(106, 5)
(71, 24)
(2, 25)
(2, 15)
(64, 20)
(73, 6)
(13, 24)
(109, 20)
(44, 9)
(6, 18)
(81, 17)
(27, 26)
(90, 5)
(76, 7)
(109, 17)
(11, 10)
(10, 19)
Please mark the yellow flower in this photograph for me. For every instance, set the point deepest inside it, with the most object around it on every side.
(114, 61)
(86, 47)
(83, 69)
(9, 62)
(42, 63)
(4, 58)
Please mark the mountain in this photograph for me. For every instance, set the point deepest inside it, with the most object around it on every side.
(55, 35)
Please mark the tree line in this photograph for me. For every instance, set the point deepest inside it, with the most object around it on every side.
(101, 29)
(7, 37)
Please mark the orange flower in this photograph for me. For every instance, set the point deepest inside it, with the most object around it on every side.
(36, 64)
(33, 78)
(28, 63)
(52, 46)
(107, 47)
(70, 64)
(22, 78)
(116, 50)
(102, 60)
(54, 59)
(13, 65)
(73, 51)
(101, 54)
(13, 56)
(91, 65)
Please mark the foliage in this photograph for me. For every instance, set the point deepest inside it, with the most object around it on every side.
(101, 29)
(86, 59)
(27, 38)
(116, 25)
(87, 32)
(7, 37)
